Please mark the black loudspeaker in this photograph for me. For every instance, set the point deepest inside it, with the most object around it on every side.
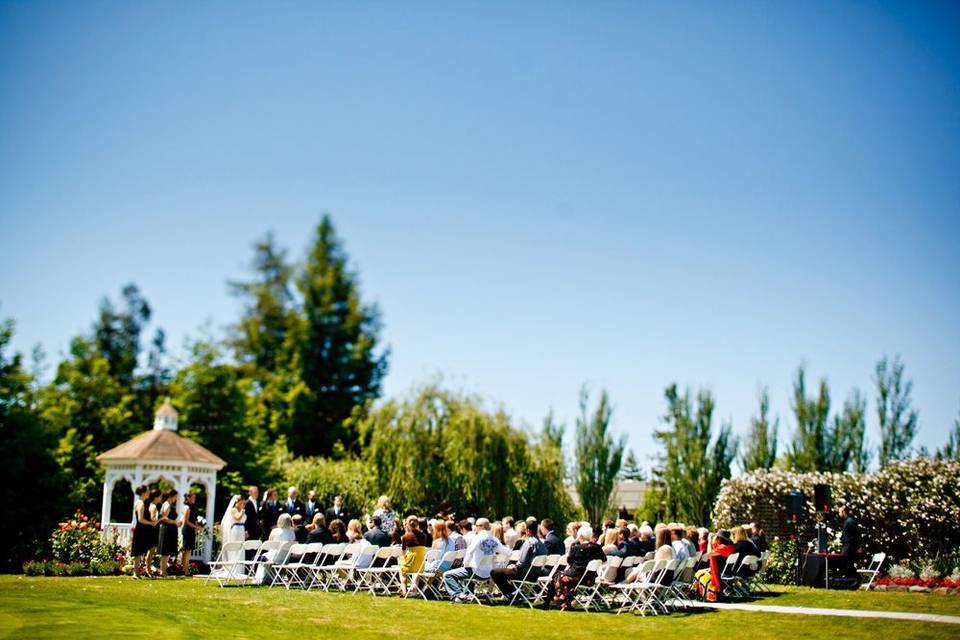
(821, 497)
(795, 502)
(821, 538)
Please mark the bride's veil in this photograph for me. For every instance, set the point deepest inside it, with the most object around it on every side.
(227, 520)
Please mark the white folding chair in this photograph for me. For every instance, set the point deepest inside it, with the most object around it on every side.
(324, 568)
(873, 569)
(584, 594)
(223, 569)
(420, 580)
(370, 578)
(475, 586)
(525, 588)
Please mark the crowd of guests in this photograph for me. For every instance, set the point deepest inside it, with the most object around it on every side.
(294, 520)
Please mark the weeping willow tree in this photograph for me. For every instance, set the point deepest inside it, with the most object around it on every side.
(443, 452)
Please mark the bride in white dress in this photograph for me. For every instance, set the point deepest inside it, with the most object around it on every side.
(232, 530)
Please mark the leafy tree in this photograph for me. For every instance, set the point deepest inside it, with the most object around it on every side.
(341, 368)
(898, 421)
(29, 475)
(810, 448)
(761, 450)
(631, 468)
(441, 452)
(848, 444)
(951, 450)
(92, 412)
(116, 334)
(690, 470)
(598, 456)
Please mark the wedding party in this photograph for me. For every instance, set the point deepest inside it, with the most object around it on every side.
(569, 320)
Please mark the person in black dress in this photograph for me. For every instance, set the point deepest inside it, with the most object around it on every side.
(169, 530)
(152, 536)
(190, 528)
(582, 552)
(141, 529)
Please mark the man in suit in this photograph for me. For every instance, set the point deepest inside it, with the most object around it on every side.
(269, 513)
(252, 509)
(336, 512)
(292, 505)
(311, 507)
(850, 541)
(376, 536)
(299, 531)
(320, 532)
(551, 540)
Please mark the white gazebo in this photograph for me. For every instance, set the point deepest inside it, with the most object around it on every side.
(161, 454)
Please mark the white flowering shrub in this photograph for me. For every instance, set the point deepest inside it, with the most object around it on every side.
(901, 570)
(909, 509)
(928, 571)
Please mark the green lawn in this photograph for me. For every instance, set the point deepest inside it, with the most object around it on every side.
(181, 608)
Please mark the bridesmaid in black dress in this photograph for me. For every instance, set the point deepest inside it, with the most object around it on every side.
(169, 530)
(152, 533)
(190, 528)
(142, 527)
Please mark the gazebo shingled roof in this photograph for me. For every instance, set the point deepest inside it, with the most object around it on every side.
(162, 445)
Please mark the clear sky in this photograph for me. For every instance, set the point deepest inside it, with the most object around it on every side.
(537, 195)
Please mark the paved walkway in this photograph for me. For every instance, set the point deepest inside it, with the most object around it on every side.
(850, 613)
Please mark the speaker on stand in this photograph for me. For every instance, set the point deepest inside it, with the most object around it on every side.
(821, 501)
(795, 508)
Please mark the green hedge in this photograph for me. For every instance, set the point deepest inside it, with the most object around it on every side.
(908, 509)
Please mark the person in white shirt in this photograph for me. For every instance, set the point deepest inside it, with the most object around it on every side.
(478, 561)
(680, 551)
(510, 534)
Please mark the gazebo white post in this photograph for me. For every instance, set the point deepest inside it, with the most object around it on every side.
(211, 480)
(137, 481)
(107, 502)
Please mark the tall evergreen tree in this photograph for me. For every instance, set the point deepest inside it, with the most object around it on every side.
(761, 449)
(810, 448)
(340, 364)
(898, 421)
(690, 469)
(847, 449)
(598, 456)
(951, 450)
(631, 468)
(116, 334)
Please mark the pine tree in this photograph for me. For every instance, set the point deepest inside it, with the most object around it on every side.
(761, 450)
(340, 366)
(809, 450)
(898, 421)
(631, 468)
(951, 450)
(598, 456)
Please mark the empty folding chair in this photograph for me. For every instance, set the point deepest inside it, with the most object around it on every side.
(876, 562)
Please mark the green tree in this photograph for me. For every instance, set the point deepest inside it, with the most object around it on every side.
(951, 450)
(761, 449)
(810, 448)
(690, 469)
(898, 421)
(341, 366)
(631, 468)
(31, 486)
(598, 456)
(116, 334)
(847, 449)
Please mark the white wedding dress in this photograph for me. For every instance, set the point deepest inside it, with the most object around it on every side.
(232, 530)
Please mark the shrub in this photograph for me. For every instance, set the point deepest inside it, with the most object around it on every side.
(782, 564)
(34, 568)
(77, 569)
(901, 571)
(105, 568)
(908, 509)
(55, 569)
(79, 540)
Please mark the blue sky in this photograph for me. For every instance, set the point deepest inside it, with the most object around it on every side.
(537, 195)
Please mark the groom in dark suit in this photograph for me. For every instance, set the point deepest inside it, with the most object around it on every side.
(336, 512)
(292, 505)
(252, 509)
(270, 512)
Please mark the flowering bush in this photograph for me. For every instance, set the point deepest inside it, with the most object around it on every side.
(901, 570)
(782, 564)
(932, 583)
(908, 509)
(79, 549)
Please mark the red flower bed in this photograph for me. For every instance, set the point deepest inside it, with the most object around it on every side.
(917, 582)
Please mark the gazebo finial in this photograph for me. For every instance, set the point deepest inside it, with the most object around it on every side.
(166, 417)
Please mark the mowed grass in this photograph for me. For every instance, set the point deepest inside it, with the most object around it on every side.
(182, 608)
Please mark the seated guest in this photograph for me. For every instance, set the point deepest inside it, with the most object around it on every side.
(510, 534)
(608, 541)
(376, 536)
(530, 548)
(466, 530)
(647, 542)
(664, 552)
(704, 539)
(707, 581)
(582, 552)
(413, 542)
(354, 533)
(533, 528)
(337, 533)
(758, 537)
(626, 546)
(475, 561)
(425, 530)
(691, 539)
(299, 531)
(320, 532)
(676, 541)
(550, 539)
(443, 543)
(459, 542)
(283, 532)
(743, 546)
(572, 528)
(496, 530)
(521, 537)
